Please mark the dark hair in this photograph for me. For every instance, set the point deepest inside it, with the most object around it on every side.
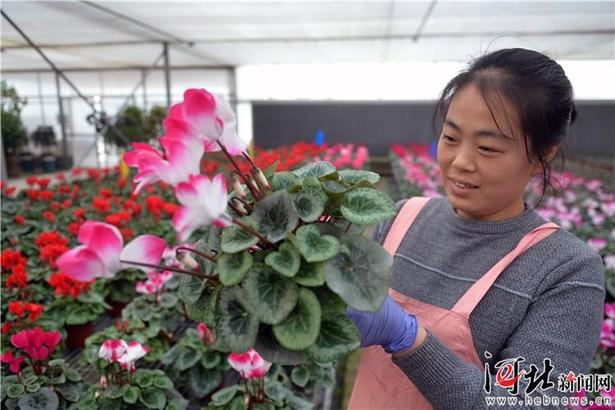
(535, 86)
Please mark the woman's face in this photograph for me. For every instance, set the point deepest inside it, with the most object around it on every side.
(484, 172)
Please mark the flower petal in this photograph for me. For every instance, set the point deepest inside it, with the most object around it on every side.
(145, 248)
(82, 264)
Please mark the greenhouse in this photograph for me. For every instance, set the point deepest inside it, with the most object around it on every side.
(308, 205)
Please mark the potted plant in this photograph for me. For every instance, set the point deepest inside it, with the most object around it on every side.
(37, 378)
(45, 137)
(123, 386)
(136, 125)
(194, 364)
(77, 314)
(14, 135)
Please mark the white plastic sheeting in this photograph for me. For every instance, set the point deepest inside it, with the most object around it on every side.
(76, 34)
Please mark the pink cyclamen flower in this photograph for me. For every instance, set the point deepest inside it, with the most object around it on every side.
(112, 349)
(101, 250)
(182, 157)
(207, 118)
(134, 351)
(597, 244)
(13, 362)
(36, 343)
(250, 364)
(607, 331)
(205, 333)
(204, 203)
(154, 283)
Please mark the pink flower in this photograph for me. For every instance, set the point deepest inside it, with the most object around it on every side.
(205, 333)
(250, 364)
(36, 343)
(126, 354)
(134, 352)
(102, 249)
(207, 118)
(607, 331)
(112, 349)
(13, 362)
(182, 157)
(597, 244)
(154, 283)
(204, 203)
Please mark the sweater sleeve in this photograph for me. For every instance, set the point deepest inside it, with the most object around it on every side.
(562, 324)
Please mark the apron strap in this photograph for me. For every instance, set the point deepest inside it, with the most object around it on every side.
(402, 223)
(474, 295)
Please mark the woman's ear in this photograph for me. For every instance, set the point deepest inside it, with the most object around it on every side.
(537, 166)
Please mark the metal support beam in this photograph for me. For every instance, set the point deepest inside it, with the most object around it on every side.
(232, 86)
(167, 72)
(144, 88)
(62, 119)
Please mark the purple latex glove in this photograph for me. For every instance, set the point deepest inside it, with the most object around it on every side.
(391, 327)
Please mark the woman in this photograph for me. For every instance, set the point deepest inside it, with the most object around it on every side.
(479, 276)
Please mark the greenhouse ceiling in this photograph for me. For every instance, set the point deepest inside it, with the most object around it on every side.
(105, 34)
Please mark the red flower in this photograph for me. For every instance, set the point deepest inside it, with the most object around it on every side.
(13, 362)
(79, 213)
(74, 227)
(64, 189)
(6, 328)
(60, 177)
(18, 278)
(127, 233)
(48, 215)
(55, 206)
(31, 180)
(36, 343)
(35, 311)
(17, 308)
(19, 219)
(43, 182)
(45, 195)
(32, 194)
(9, 259)
(10, 190)
(105, 192)
(170, 208)
(66, 286)
(76, 171)
(102, 205)
(51, 245)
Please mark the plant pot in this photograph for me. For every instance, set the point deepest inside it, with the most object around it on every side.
(76, 335)
(26, 161)
(116, 308)
(12, 165)
(49, 163)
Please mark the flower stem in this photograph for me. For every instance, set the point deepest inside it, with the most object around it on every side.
(251, 231)
(201, 254)
(186, 272)
(230, 157)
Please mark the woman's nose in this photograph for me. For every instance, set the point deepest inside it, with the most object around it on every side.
(464, 160)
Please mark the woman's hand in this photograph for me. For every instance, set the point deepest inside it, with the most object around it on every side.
(391, 327)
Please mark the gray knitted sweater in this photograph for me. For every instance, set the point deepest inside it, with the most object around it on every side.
(548, 303)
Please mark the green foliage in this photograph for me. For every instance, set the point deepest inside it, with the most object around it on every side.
(57, 387)
(136, 125)
(274, 294)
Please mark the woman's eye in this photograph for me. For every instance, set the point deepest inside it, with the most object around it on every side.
(448, 139)
(488, 150)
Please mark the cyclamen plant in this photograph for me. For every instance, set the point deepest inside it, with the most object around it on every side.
(278, 260)
(38, 380)
(122, 386)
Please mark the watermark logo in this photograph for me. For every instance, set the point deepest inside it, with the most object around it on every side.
(508, 375)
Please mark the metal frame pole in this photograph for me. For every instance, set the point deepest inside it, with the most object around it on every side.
(167, 72)
(144, 88)
(62, 119)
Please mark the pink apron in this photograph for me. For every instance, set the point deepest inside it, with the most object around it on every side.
(380, 384)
